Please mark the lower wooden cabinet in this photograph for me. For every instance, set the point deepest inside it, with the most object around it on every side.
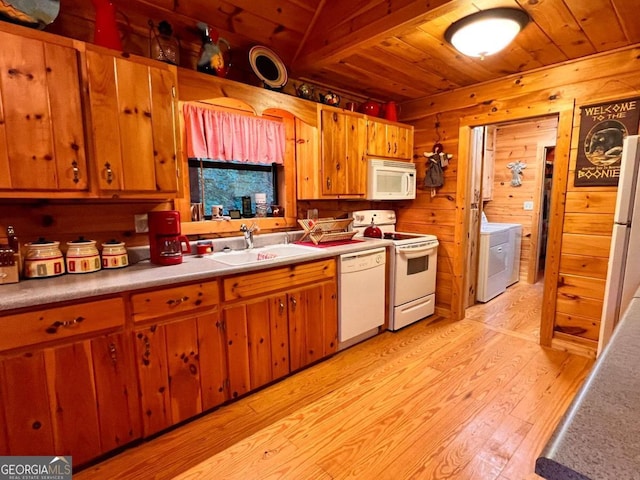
(80, 380)
(75, 399)
(313, 323)
(181, 370)
(256, 334)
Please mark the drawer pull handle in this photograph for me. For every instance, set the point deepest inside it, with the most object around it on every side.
(65, 324)
(175, 303)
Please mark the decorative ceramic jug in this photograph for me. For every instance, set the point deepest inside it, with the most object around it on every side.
(215, 54)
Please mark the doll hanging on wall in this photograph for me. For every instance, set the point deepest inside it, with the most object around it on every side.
(437, 160)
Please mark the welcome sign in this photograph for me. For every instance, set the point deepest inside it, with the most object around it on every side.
(603, 128)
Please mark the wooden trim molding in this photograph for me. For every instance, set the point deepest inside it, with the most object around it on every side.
(565, 112)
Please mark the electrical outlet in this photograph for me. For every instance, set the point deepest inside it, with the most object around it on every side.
(142, 223)
(528, 205)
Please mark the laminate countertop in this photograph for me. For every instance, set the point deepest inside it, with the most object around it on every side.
(599, 436)
(142, 274)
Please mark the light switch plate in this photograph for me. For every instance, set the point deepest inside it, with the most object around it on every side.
(528, 205)
(141, 222)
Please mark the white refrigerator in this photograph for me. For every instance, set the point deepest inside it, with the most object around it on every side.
(623, 274)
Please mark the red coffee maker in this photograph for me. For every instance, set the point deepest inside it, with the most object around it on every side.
(166, 244)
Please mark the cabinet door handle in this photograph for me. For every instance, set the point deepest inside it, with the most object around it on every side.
(113, 353)
(388, 147)
(76, 172)
(107, 166)
(328, 183)
(281, 306)
(294, 302)
(395, 148)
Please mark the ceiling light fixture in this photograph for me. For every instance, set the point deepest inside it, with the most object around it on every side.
(487, 32)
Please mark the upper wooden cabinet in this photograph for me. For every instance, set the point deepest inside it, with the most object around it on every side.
(342, 153)
(132, 117)
(42, 145)
(389, 140)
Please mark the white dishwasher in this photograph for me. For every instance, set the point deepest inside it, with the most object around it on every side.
(361, 299)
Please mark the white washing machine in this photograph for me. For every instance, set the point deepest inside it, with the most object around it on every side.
(494, 261)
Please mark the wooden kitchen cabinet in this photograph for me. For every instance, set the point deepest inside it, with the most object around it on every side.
(256, 333)
(313, 323)
(278, 321)
(132, 118)
(74, 398)
(180, 357)
(389, 140)
(342, 153)
(42, 143)
(307, 161)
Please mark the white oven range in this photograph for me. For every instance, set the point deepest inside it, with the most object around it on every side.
(413, 264)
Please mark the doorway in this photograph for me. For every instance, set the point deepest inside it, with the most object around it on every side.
(510, 178)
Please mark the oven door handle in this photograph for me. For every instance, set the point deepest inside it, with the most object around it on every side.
(415, 252)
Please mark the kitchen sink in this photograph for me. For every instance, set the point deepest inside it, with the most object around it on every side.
(262, 254)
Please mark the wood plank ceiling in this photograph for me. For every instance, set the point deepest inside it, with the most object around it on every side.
(395, 49)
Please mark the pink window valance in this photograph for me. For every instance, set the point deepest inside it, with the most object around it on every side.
(227, 136)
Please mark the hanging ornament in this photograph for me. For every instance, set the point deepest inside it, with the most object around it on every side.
(437, 160)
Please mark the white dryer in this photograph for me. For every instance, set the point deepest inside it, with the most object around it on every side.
(494, 262)
(515, 244)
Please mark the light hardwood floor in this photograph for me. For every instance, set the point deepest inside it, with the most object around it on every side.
(475, 399)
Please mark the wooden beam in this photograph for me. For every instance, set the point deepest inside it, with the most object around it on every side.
(331, 40)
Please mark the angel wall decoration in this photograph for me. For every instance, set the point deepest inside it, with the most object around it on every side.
(516, 172)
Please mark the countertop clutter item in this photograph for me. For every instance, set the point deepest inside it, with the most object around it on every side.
(326, 230)
(114, 254)
(43, 259)
(83, 256)
(372, 231)
(166, 242)
(9, 270)
(261, 204)
(215, 53)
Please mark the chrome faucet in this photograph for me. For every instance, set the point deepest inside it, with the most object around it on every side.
(248, 234)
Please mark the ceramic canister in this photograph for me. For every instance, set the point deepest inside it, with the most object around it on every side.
(114, 254)
(43, 258)
(82, 256)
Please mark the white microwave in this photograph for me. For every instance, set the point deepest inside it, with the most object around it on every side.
(390, 180)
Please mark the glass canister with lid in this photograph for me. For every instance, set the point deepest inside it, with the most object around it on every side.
(83, 256)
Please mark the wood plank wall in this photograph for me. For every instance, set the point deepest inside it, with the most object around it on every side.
(520, 141)
(583, 249)
(64, 221)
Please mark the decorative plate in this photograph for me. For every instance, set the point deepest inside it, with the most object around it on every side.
(31, 13)
(268, 67)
